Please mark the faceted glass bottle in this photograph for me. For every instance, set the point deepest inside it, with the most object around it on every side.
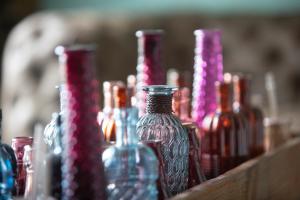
(218, 135)
(82, 170)
(160, 124)
(149, 67)
(242, 105)
(208, 69)
(131, 167)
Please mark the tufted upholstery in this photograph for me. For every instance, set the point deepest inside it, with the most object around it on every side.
(251, 44)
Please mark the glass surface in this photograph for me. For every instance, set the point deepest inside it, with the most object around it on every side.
(6, 176)
(149, 68)
(160, 124)
(83, 174)
(208, 68)
(131, 168)
(18, 144)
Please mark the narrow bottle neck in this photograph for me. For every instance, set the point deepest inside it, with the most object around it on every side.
(224, 97)
(159, 103)
(242, 92)
(107, 106)
(125, 127)
(149, 50)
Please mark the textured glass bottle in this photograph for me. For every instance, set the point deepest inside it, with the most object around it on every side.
(208, 69)
(160, 124)
(218, 135)
(131, 168)
(149, 68)
(254, 115)
(83, 173)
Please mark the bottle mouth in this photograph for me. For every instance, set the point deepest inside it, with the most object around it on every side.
(159, 89)
(60, 50)
(141, 33)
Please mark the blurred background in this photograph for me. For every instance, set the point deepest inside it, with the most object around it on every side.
(258, 36)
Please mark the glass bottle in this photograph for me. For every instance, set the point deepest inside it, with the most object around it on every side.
(131, 168)
(82, 171)
(160, 124)
(149, 67)
(242, 105)
(208, 69)
(18, 144)
(155, 145)
(218, 135)
(28, 163)
(108, 123)
(196, 175)
(6, 176)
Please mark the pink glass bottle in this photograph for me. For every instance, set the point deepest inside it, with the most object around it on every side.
(149, 67)
(82, 168)
(18, 144)
(208, 69)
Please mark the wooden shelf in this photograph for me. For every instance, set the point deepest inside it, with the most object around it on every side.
(275, 175)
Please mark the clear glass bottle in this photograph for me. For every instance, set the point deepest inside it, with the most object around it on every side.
(242, 106)
(208, 69)
(82, 171)
(218, 135)
(131, 168)
(28, 163)
(18, 144)
(149, 67)
(160, 124)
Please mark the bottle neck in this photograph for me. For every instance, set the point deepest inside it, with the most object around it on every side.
(242, 92)
(108, 107)
(149, 50)
(224, 97)
(159, 103)
(126, 120)
(185, 104)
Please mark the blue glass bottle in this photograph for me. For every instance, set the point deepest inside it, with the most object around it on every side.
(131, 168)
(6, 176)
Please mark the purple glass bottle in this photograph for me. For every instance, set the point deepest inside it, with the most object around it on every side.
(149, 68)
(208, 69)
(83, 173)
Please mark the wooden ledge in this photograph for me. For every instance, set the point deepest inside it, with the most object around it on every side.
(275, 175)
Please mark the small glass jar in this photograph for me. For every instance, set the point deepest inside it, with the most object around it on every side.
(18, 144)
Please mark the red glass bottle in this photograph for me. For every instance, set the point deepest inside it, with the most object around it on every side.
(18, 144)
(149, 68)
(196, 175)
(218, 135)
(82, 168)
(242, 105)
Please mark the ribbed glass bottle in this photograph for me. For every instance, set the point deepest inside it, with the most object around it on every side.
(149, 67)
(160, 124)
(83, 173)
(208, 69)
(131, 168)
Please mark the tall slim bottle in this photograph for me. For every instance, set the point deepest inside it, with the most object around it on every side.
(218, 135)
(83, 173)
(131, 167)
(160, 124)
(149, 67)
(208, 69)
(254, 115)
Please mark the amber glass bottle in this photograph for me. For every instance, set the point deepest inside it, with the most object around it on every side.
(254, 115)
(218, 135)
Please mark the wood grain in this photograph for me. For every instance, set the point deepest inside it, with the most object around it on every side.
(275, 175)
